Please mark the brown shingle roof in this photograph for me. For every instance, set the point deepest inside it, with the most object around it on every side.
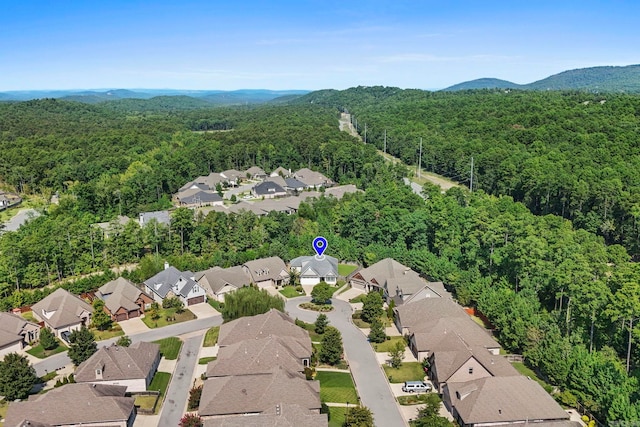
(119, 293)
(61, 308)
(74, 404)
(271, 323)
(430, 335)
(503, 399)
(429, 309)
(382, 271)
(257, 393)
(216, 278)
(258, 356)
(119, 363)
(271, 268)
(284, 415)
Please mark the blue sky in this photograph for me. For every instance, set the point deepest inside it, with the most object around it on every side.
(313, 44)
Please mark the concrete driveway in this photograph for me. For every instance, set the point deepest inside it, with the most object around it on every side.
(133, 326)
(203, 311)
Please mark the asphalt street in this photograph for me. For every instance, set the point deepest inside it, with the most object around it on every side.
(175, 401)
(60, 360)
(370, 379)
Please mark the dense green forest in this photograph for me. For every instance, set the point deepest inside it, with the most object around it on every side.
(574, 154)
(557, 293)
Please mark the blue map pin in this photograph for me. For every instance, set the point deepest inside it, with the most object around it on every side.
(320, 245)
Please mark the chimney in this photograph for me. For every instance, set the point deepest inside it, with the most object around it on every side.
(166, 265)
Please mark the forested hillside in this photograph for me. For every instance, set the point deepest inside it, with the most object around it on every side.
(571, 154)
(556, 293)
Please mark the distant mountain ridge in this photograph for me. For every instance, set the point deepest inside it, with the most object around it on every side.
(594, 79)
(204, 97)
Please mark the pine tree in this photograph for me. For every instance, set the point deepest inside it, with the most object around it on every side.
(83, 345)
(331, 350)
(17, 377)
(48, 339)
(321, 323)
(377, 333)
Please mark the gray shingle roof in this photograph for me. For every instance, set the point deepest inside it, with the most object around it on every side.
(268, 187)
(340, 191)
(277, 180)
(162, 217)
(12, 327)
(61, 308)
(280, 171)
(312, 178)
(171, 279)
(430, 335)
(313, 266)
(258, 356)
(119, 363)
(198, 196)
(255, 171)
(258, 393)
(74, 404)
(378, 273)
(271, 323)
(284, 415)
(294, 184)
(503, 399)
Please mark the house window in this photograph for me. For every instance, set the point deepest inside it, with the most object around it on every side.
(471, 370)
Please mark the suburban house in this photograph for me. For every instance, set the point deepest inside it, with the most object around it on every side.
(294, 186)
(259, 356)
(172, 282)
(314, 269)
(254, 172)
(429, 322)
(15, 333)
(272, 323)
(339, 191)
(281, 415)
(108, 228)
(265, 272)
(195, 198)
(62, 312)
(209, 182)
(217, 281)
(258, 394)
(387, 276)
(233, 177)
(280, 171)
(268, 190)
(312, 178)
(162, 217)
(277, 180)
(132, 367)
(123, 300)
(457, 361)
(503, 401)
(259, 372)
(102, 405)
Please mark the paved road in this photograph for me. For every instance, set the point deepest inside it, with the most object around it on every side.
(370, 380)
(60, 360)
(175, 402)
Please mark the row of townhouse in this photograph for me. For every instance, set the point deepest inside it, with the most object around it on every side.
(478, 385)
(203, 191)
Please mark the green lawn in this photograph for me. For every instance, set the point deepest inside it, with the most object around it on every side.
(336, 416)
(359, 298)
(528, 372)
(41, 353)
(346, 269)
(169, 347)
(114, 331)
(413, 399)
(4, 406)
(336, 387)
(388, 345)
(409, 371)
(215, 304)
(167, 317)
(160, 382)
(311, 328)
(29, 316)
(290, 292)
(211, 337)
(205, 360)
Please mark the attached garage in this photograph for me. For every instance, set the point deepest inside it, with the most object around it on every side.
(196, 300)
